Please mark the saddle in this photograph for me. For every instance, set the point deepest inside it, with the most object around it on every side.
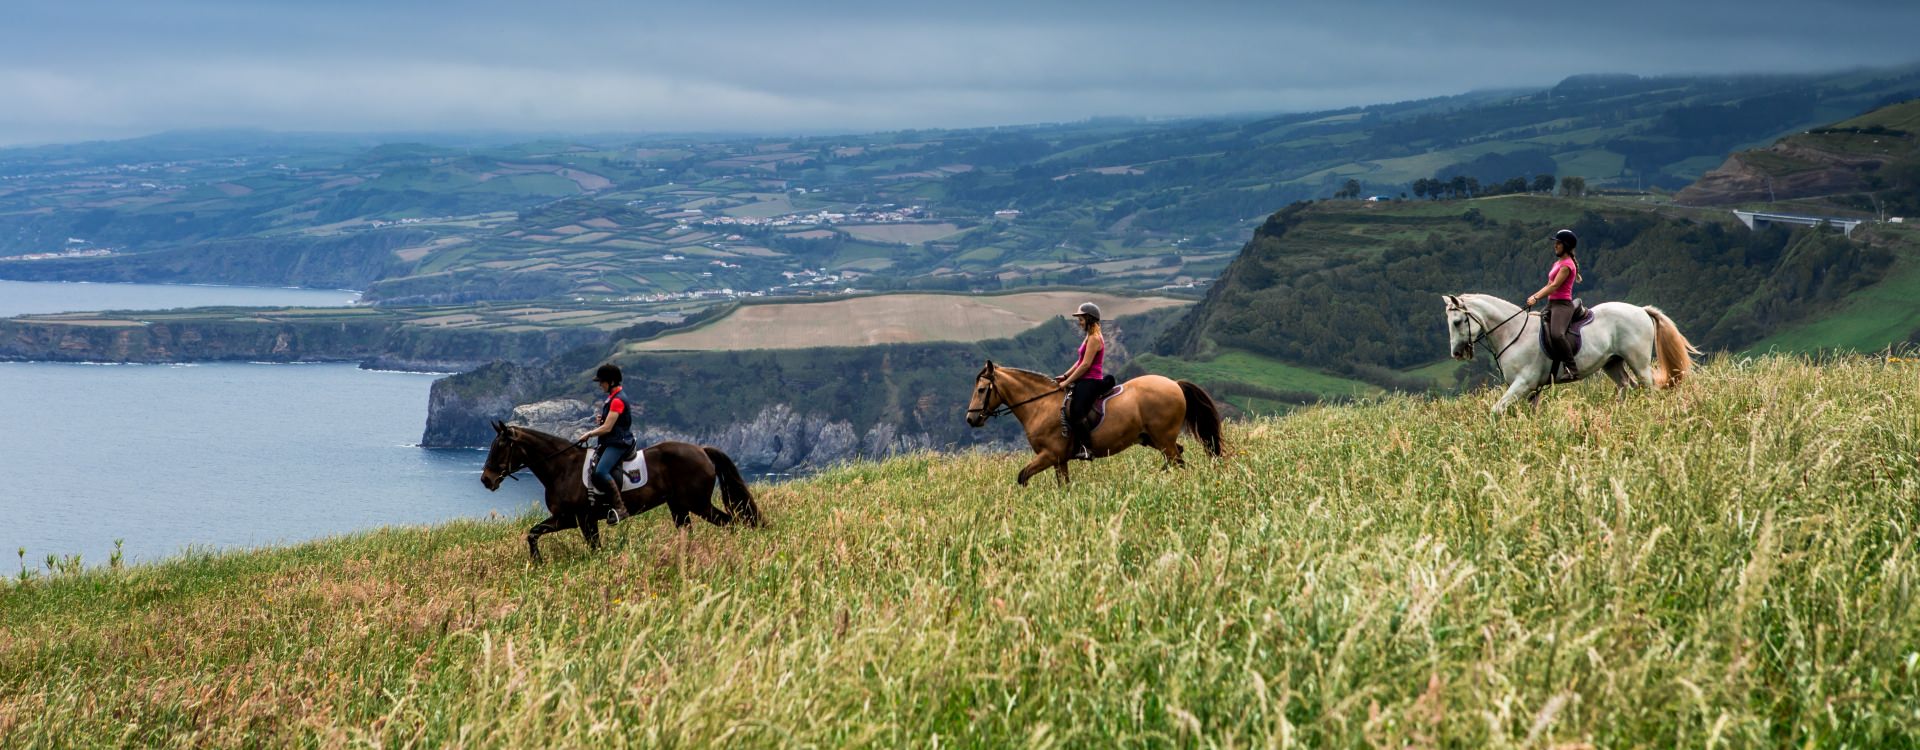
(632, 473)
(1098, 411)
(1581, 317)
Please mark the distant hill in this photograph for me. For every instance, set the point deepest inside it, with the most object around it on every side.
(1130, 205)
(1875, 155)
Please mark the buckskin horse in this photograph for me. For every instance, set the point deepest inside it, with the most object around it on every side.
(1624, 340)
(1148, 410)
(680, 475)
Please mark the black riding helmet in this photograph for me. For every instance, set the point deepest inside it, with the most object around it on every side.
(608, 373)
(1566, 237)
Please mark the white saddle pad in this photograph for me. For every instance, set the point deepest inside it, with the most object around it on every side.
(630, 475)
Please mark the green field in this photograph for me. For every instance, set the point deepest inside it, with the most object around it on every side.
(1729, 565)
(1253, 369)
(1867, 320)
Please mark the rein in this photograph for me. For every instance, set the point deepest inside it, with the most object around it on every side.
(1485, 332)
(993, 387)
(515, 445)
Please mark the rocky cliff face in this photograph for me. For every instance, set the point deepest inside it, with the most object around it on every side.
(1801, 172)
(461, 410)
(771, 410)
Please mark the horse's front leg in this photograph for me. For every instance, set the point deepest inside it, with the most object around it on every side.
(1037, 465)
(589, 529)
(1518, 387)
(552, 524)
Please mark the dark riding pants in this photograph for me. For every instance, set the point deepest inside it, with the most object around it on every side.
(1559, 316)
(1080, 402)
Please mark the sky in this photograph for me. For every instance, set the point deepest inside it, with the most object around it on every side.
(77, 70)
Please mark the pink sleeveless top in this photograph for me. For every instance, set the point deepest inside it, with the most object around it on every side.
(1566, 290)
(1097, 371)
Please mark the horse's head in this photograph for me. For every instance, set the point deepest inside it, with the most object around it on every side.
(986, 395)
(499, 456)
(1460, 328)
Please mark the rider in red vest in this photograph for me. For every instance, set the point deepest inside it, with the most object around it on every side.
(616, 443)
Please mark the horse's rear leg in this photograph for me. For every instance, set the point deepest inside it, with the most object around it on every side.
(552, 524)
(1170, 447)
(1622, 380)
(701, 504)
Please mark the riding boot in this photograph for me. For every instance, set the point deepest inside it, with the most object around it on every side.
(1563, 372)
(1076, 447)
(600, 501)
(1081, 442)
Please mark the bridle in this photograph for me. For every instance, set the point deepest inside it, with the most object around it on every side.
(993, 389)
(514, 445)
(1485, 331)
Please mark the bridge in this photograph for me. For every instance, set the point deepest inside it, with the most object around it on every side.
(1758, 219)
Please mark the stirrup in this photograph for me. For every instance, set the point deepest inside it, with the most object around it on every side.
(615, 515)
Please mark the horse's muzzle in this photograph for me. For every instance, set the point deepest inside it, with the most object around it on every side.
(492, 482)
(1463, 352)
(976, 419)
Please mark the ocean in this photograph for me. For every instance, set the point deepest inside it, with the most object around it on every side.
(163, 458)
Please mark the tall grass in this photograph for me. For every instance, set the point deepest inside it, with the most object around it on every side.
(1731, 564)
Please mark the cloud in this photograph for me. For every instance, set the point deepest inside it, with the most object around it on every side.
(97, 67)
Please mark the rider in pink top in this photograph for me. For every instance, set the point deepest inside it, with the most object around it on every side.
(1559, 295)
(1094, 372)
(1087, 380)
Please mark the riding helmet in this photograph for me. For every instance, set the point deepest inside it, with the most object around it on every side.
(1090, 310)
(1566, 237)
(608, 373)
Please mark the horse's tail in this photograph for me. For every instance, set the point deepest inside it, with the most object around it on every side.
(733, 488)
(1203, 417)
(1674, 353)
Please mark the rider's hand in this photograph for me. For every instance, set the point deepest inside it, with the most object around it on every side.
(583, 437)
(1531, 298)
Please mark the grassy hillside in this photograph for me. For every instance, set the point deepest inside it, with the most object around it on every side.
(1730, 564)
(1886, 313)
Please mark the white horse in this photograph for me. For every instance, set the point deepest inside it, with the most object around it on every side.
(1625, 340)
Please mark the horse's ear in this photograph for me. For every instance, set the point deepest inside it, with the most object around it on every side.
(498, 427)
(1452, 301)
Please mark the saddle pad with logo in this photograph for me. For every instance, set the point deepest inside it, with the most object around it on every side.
(630, 475)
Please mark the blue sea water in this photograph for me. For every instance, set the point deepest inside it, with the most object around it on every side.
(215, 455)
(34, 297)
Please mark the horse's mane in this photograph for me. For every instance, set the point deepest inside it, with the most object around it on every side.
(1023, 372)
(537, 435)
(1477, 295)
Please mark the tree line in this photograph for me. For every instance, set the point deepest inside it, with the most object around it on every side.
(1463, 186)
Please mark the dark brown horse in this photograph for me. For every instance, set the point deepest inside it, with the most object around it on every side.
(1149, 412)
(680, 475)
